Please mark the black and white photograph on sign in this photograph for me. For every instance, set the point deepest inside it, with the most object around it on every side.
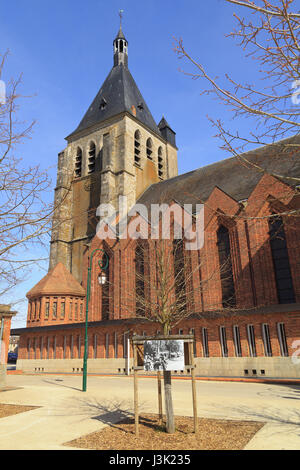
(164, 355)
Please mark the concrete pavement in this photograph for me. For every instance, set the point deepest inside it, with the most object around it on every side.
(65, 412)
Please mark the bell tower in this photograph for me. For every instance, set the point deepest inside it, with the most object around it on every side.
(116, 150)
(120, 47)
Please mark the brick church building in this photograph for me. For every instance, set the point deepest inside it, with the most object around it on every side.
(246, 321)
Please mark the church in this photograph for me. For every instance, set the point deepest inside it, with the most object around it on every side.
(245, 321)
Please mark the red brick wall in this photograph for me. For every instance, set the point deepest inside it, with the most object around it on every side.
(291, 322)
(253, 275)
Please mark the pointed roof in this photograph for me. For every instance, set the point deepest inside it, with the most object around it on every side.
(163, 123)
(58, 281)
(119, 93)
(120, 34)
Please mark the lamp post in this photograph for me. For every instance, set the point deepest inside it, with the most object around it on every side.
(101, 280)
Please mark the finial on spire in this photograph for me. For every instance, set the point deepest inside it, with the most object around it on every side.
(120, 45)
(121, 16)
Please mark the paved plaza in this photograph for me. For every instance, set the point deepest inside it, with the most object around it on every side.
(66, 413)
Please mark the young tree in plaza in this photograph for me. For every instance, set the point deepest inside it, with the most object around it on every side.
(164, 293)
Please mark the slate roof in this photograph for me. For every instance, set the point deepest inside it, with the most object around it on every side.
(58, 281)
(229, 175)
(119, 91)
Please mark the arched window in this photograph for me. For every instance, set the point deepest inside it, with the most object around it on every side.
(78, 163)
(179, 274)
(149, 148)
(104, 281)
(160, 163)
(227, 284)
(282, 270)
(91, 158)
(140, 279)
(137, 145)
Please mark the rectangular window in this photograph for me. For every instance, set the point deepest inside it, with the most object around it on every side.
(251, 340)
(125, 348)
(54, 347)
(62, 309)
(116, 345)
(282, 339)
(42, 347)
(76, 312)
(28, 348)
(71, 311)
(29, 311)
(192, 332)
(79, 346)
(205, 342)
(106, 345)
(48, 347)
(38, 308)
(54, 310)
(65, 347)
(95, 345)
(72, 347)
(35, 348)
(266, 339)
(223, 341)
(237, 341)
(180, 332)
(47, 309)
(81, 311)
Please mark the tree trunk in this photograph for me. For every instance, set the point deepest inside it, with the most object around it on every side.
(170, 425)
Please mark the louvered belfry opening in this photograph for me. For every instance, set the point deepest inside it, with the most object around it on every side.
(137, 149)
(92, 158)
(160, 163)
(78, 163)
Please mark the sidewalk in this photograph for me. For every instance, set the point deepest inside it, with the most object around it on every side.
(66, 413)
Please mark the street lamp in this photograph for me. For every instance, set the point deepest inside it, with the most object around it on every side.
(102, 280)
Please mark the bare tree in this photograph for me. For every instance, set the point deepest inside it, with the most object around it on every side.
(270, 35)
(25, 215)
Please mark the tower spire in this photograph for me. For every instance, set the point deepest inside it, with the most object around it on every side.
(120, 46)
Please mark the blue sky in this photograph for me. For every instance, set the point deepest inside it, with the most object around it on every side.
(64, 51)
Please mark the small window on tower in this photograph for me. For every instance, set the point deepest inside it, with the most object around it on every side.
(160, 163)
(137, 145)
(78, 163)
(149, 148)
(92, 158)
(103, 103)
